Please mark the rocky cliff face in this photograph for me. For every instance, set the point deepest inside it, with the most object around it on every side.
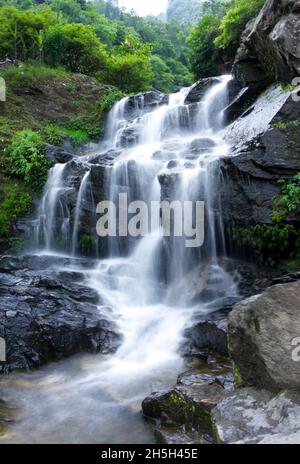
(269, 49)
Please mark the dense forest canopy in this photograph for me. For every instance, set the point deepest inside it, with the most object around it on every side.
(96, 38)
(120, 48)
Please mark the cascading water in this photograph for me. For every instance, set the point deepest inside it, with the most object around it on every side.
(151, 285)
(50, 208)
(78, 210)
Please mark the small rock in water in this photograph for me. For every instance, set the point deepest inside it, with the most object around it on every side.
(163, 155)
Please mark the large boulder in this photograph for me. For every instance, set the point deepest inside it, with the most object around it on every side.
(144, 101)
(265, 142)
(269, 49)
(49, 314)
(199, 89)
(274, 39)
(250, 416)
(185, 412)
(262, 338)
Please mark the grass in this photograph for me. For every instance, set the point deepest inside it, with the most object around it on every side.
(28, 74)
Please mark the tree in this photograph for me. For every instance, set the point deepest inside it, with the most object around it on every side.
(235, 20)
(129, 72)
(203, 52)
(20, 32)
(70, 9)
(163, 79)
(75, 47)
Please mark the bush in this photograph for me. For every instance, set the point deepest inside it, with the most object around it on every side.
(281, 240)
(203, 52)
(27, 158)
(109, 99)
(53, 134)
(235, 20)
(21, 32)
(16, 202)
(129, 72)
(289, 201)
(75, 47)
(163, 79)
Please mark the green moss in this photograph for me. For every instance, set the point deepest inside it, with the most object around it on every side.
(238, 380)
(215, 432)
(281, 125)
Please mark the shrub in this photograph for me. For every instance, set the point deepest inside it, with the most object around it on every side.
(75, 47)
(109, 99)
(53, 134)
(273, 242)
(163, 79)
(27, 158)
(129, 72)
(16, 202)
(203, 52)
(234, 22)
(289, 201)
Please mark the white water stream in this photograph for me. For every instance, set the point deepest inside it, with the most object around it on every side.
(148, 286)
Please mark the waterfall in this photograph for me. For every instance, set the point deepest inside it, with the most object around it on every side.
(151, 286)
(53, 219)
(78, 210)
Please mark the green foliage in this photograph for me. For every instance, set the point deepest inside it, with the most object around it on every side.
(31, 73)
(75, 47)
(16, 202)
(96, 38)
(281, 240)
(52, 134)
(17, 244)
(288, 201)
(129, 72)
(203, 52)
(163, 78)
(234, 22)
(107, 102)
(271, 243)
(20, 32)
(27, 158)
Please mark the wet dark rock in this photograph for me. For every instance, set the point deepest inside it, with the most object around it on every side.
(129, 137)
(198, 91)
(239, 104)
(172, 164)
(189, 165)
(287, 278)
(105, 159)
(162, 155)
(201, 146)
(168, 182)
(274, 39)
(190, 403)
(47, 315)
(250, 416)
(211, 335)
(261, 331)
(144, 101)
(74, 172)
(270, 152)
(57, 154)
(29, 262)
